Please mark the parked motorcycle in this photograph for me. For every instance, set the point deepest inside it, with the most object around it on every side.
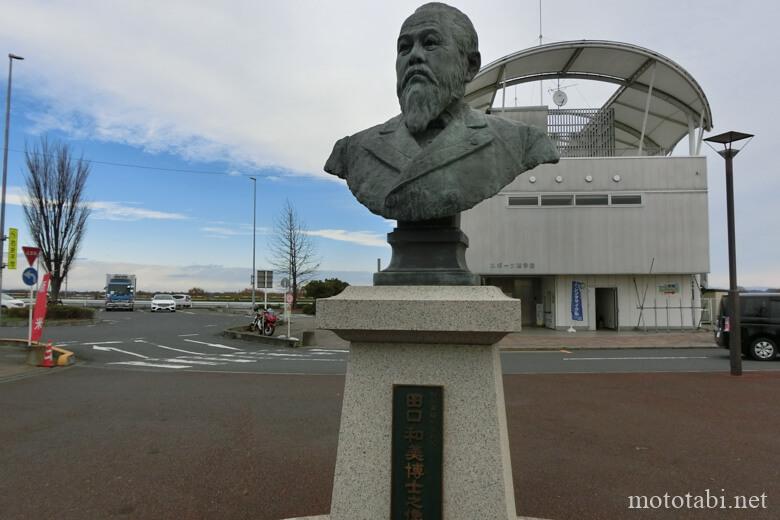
(265, 322)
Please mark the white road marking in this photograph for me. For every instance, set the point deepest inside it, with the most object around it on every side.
(326, 350)
(145, 364)
(187, 335)
(109, 349)
(190, 361)
(230, 360)
(270, 356)
(210, 325)
(299, 359)
(634, 358)
(171, 348)
(102, 343)
(217, 345)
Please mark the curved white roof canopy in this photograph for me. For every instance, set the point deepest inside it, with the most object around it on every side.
(676, 106)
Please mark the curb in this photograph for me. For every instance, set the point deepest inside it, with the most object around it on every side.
(64, 357)
(555, 348)
(242, 333)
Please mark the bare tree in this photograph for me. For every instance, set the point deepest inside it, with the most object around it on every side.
(292, 250)
(55, 208)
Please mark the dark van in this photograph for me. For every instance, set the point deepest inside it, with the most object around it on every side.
(759, 324)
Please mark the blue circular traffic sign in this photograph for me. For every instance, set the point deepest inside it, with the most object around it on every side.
(30, 276)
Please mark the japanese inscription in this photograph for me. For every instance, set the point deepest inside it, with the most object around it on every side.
(417, 453)
(512, 265)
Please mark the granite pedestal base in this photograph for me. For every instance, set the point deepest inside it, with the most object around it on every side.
(423, 335)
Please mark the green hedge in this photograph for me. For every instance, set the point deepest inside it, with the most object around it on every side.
(55, 312)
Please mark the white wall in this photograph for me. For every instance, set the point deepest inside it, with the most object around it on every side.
(671, 226)
(630, 296)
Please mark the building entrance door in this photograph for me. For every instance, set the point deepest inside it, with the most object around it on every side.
(606, 308)
(527, 290)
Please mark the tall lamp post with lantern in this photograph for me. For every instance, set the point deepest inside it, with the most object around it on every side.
(728, 152)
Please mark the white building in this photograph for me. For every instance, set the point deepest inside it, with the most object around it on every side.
(618, 214)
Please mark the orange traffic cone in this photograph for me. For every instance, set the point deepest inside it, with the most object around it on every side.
(48, 357)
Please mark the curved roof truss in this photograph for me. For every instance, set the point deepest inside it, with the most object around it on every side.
(656, 104)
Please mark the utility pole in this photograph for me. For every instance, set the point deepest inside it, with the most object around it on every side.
(254, 238)
(11, 58)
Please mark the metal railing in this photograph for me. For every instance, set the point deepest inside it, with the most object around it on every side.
(582, 132)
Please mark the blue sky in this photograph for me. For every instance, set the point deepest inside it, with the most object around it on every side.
(265, 88)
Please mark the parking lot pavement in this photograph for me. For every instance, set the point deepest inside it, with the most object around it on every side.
(87, 443)
(13, 363)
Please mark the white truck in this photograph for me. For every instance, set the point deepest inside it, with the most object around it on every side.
(120, 291)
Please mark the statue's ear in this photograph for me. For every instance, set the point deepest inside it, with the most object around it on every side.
(474, 61)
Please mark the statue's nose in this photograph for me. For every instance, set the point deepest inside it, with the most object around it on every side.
(417, 54)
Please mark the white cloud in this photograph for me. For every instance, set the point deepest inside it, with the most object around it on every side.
(226, 230)
(15, 196)
(364, 238)
(204, 80)
(119, 211)
(105, 210)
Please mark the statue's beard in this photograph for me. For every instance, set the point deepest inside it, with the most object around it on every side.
(423, 97)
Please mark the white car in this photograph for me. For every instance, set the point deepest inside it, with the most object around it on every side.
(9, 302)
(183, 301)
(163, 302)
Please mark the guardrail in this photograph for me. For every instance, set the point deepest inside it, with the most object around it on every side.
(80, 302)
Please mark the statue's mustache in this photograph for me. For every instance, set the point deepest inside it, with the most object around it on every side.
(421, 71)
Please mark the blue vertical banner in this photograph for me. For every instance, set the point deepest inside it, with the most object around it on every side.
(576, 301)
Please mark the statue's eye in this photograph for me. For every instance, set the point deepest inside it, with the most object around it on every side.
(430, 42)
(403, 46)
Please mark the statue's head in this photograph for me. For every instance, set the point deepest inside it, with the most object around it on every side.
(437, 56)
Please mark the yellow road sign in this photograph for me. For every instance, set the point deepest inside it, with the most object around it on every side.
(13, 238)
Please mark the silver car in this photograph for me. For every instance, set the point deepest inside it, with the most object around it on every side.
(9, 302)
(163, 302)
(183, 300)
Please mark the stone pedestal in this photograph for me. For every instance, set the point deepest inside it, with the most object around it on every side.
(423, 335)
(429, 252)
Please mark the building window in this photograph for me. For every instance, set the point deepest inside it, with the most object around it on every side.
(572, 199)
(626, 200)
(592, 200)
(557, 200)
(526, 200)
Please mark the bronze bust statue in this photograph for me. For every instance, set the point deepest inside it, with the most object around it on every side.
(438, 157)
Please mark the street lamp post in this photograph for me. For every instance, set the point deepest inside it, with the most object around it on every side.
(11, 58)
(254, 238)
(728, 153)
